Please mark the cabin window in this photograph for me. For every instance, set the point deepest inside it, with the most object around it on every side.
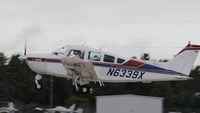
(94, 56)
(76, 53)
(108, 58)
(119, 60)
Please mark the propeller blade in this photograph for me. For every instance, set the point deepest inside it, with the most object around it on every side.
(25, 47)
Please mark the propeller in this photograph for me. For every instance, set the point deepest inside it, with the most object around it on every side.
(23, 57)
(25, 48)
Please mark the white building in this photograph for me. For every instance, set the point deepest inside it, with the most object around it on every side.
(129, 104)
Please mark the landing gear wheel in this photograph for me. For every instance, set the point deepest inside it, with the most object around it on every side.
(91, 91)
(82, 89)
(37, 79)
(85, 89)
(38, 87)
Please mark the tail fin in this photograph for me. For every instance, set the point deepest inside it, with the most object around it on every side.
(79, 110)
(184, 60)
(72, 107)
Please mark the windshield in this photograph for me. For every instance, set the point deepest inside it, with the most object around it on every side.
(61, 51)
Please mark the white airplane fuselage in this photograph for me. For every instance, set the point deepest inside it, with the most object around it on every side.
(130, 70)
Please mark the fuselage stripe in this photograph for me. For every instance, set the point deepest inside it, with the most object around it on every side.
(109, 65)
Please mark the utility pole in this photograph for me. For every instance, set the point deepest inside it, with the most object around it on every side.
(51, 91)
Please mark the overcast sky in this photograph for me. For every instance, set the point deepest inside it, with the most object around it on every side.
(125, 27)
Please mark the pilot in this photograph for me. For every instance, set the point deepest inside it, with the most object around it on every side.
(77, 53)
(96, 58)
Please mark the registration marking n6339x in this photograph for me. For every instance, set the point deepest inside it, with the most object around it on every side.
(125, 73)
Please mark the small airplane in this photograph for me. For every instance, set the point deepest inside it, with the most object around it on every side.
(83, 65)
(9, 109)
(61, 109)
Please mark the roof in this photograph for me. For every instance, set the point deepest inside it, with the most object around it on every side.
(130, 95)
(81, 47)
(87, 48)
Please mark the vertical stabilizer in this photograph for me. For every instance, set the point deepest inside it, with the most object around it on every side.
(184, 60)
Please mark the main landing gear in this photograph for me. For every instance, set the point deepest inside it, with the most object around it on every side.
(84, 89)
(79, 84)
(37, 78)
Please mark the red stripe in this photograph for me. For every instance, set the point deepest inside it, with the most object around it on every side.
(190, 47)
(195, 45)
(36, 59)
(133, 63)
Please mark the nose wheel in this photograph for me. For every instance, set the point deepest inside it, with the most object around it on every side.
(37, 78)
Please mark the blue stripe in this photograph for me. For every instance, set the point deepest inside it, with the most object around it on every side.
(148, 66)
(53, 60)
(152, 69)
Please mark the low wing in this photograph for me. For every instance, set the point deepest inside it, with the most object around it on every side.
(72, 107)
(39, 109)
(77, 67)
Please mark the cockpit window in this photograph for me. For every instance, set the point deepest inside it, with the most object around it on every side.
(55, 53)
(108, 58)
(119, 60)
(94, 56)
(62, 49)
(59, 53)
(76, 53)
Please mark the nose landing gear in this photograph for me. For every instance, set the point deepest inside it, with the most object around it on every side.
(37, 78)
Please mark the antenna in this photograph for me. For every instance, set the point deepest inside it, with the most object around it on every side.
(101, 47)
(83, 43)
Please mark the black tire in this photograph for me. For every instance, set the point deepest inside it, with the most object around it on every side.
(38, 88)
(85, 89)
(91, 90)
